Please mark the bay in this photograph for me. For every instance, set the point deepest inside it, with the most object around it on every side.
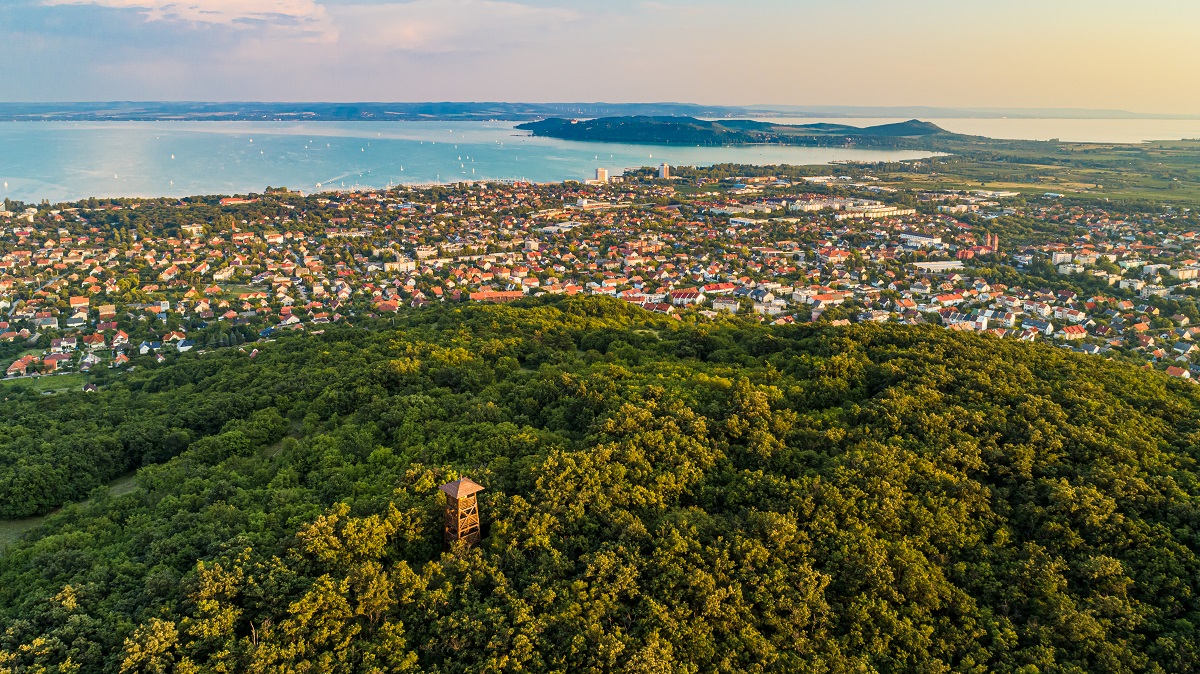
(64, 161)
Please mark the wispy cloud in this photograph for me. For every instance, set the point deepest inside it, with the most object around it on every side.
(1131, 55)
(415, 26)
(439, 26)
(223, 12)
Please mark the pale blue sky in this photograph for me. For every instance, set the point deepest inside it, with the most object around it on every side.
(1137, 56)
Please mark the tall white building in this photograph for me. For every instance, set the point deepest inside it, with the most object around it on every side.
(664, 171)
(602, 175)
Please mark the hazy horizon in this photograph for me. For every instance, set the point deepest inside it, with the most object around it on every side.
(1096, 55)
(747, 109)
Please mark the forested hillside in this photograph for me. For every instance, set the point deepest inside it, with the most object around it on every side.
(56, 449)
(676, 130)
(660, 497)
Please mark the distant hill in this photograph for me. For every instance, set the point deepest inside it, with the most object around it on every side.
(692, 131)
(118, 111)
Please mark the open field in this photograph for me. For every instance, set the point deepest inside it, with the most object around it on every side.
(1163, 172)
(231, 291)
(11, 530)
(57, 383)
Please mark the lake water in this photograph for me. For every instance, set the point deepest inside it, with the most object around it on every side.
(66, 161)
(63, 161)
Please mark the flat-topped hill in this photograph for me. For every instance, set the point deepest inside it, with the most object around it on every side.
(692, 131)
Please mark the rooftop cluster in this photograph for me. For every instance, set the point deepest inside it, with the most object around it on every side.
(100, 283)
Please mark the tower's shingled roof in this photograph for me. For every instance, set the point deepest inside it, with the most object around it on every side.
(461, 488)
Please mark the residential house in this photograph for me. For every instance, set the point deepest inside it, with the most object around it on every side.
(682, 298)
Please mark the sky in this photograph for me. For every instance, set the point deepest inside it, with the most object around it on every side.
(1102, 54)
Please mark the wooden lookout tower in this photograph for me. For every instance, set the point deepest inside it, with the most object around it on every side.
(462, 511)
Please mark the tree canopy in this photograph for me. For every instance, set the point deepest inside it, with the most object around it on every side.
(661, 497)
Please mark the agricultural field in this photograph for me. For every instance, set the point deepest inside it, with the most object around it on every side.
(1162, 172)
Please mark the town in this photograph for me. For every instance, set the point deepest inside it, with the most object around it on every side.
(110, 284)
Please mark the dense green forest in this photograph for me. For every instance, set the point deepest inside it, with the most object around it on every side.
(56, 449)
(660, 497)
(677, 130)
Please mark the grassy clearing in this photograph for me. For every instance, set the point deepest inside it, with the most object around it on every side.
(232, 290)
(296, 431)
(11, 530)
(55, 383)
(122, 485)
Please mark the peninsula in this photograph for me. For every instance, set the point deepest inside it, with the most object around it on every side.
(693, 131)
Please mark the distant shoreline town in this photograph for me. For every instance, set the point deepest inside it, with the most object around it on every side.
(103, 283)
